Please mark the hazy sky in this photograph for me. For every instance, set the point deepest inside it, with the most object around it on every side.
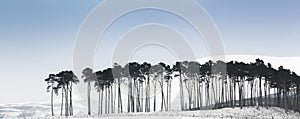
(37, 36)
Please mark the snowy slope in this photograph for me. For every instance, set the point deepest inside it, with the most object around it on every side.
(236, 113)
(32, 110)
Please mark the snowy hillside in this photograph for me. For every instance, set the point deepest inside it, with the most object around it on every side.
(32, 110)
(236, 113)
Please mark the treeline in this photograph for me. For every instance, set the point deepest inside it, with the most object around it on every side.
(202, 86)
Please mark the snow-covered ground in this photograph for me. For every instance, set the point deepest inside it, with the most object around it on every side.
(40, 110)
(236, 113)
(32, 110)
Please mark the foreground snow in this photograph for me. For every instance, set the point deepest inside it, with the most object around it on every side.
(248, 112)
(42, 110)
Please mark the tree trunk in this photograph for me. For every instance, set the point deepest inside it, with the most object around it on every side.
(181, 92)
(234, 93)
(266, 99)
(251, 93)
(169, 105)
(207, 93)
(132, 97)
(230, 93)
(99, 102)
(71, 101)
(137, 95)
(154, 102)
(147, 102)
(167, 108)
(240, 95)
(62, 102)
(115, 93)
(278, 97)
(120, 97)
(66, 102)
(260, 92)
(142, 97)
(52, 112)
(89, 97)
(162, 95)
(112, 99)
(106, 97)
(221, 93)
(284, 96)
(187, 86)
(109, 100)
(214, 100)
(101, 108)
(297, 97)
(129, 96)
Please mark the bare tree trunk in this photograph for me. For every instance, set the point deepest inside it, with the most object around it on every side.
(187, 86)
(260, 91)
(52, 112)
(214, 100)
(269, 96)
(89, 98)
(200, 95)
(240, 95)
(154, 102)
(132, 97)
(167, 108)
(278, 97)
(120, 97)
(115, 92)
(231, 93)
(284, 96)
(297, 97)
(129, 96)
(251, 93)
(181, 92)
(207, 93)
(221, 93)
(256, 95)
(71, 101)
(111, 99)
(99, 102)
(163, 103)
(62, 102)
(265, 90)
(142, 97)
(234, 93)
(136, 83)
(169, 105)
(147, 102)
(106, 99)
(195, 93)
(66, 102)
(101, 108)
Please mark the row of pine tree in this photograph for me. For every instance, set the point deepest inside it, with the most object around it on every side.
(211, 85)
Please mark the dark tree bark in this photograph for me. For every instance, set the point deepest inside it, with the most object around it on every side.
(89, 97)
(71, 101)
(62, 102)
(52, 112)
(66, 102)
